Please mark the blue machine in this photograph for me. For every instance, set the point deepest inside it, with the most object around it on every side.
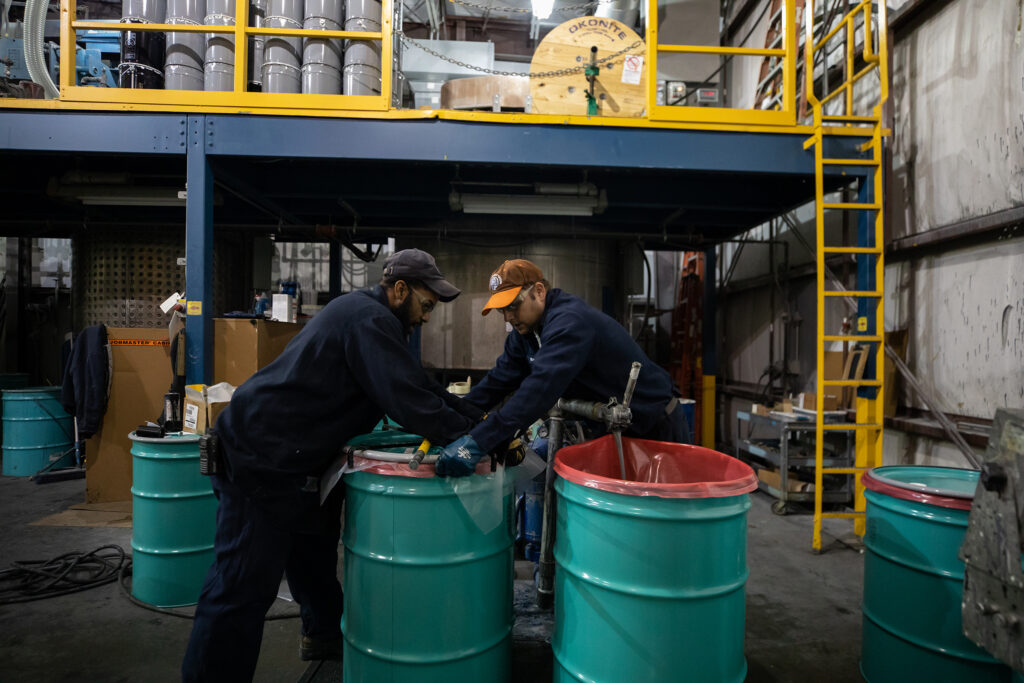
(97, 50)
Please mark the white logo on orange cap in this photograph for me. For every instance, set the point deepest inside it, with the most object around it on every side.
(495, 282)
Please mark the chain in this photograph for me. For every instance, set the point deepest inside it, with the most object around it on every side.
(527, 10)
(539, 74)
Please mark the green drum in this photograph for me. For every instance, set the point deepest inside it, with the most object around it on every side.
(428, 589)
(650, 570)
(174, 515)
(37, 432)
(913, 578)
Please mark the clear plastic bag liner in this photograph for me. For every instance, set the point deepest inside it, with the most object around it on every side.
(655, 468)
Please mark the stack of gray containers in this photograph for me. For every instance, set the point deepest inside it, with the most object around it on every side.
(282, 57)
(219, 70)
(362, 57)
(321, 58)
(257, 19)
(183, 68)
(142, 52)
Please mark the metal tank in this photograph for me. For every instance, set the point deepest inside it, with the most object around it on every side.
(321, 58)
(409, 542)
(37, 433)
(624, 11)
(183, 65)
(650, 588)
(457, 336)
(219, 68)
(174, 516)
(142, 52)
(282, 57)
(913, 578)
(362, 57)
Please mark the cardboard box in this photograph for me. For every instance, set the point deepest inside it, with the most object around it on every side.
(774, 479)
(808, 401)
(284, 308)
(241, 346)
(203, 404)
(140, 377)
(758, 409)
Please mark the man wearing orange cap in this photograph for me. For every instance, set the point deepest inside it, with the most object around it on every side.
(559, 346)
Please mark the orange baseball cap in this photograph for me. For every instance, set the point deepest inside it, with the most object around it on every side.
(508, 280)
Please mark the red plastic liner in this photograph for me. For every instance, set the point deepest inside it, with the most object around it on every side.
(655, 468)
(874, 484)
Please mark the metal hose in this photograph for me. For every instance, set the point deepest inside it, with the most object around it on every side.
(35, 28)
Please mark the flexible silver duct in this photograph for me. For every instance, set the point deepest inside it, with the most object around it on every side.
(321, 58)
(361, 75)
(183, 66)
(35, 26)
(219, 68)
(624, 11)
(282, 57)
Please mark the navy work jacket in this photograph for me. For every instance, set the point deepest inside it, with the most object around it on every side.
(578, 352)
(335, 380)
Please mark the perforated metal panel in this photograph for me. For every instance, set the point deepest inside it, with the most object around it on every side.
(121, 277)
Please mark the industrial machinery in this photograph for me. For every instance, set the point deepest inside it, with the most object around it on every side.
(993, 599)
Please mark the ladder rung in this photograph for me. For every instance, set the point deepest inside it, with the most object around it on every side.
(843, 470)
(842, 515)
(851, 382)
(853, 292)
(850, 427)
(852, 250)
(852, 337)
(850, 162)
(850, 118)
(851, 206)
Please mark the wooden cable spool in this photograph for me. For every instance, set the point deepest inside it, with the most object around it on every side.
(479, 93)
(620, 88)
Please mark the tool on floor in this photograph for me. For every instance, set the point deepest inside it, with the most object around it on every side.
(421, 453)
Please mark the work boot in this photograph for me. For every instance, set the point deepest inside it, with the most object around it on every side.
(315, 649)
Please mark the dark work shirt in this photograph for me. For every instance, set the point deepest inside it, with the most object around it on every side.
(578, 352)
(335, 380)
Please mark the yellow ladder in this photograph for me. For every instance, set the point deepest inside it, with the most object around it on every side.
(869, 421)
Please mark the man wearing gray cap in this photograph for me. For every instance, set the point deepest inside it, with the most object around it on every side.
(335, 380)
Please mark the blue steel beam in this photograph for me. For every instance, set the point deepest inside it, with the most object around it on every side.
(100, 132)
(488, 143)
(198, 258)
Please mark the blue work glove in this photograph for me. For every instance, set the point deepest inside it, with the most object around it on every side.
(459, 458)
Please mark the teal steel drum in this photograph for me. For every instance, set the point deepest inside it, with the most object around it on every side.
(428, 593)
(913, 578)
(650, 588)
(174, 515)
(37, 432)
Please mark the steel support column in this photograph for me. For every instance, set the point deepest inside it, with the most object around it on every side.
(198, 257)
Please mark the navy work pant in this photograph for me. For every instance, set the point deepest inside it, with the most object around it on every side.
(255, 545)
(672, 428)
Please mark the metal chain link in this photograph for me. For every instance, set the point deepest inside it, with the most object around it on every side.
(539, 74)
(528, 10)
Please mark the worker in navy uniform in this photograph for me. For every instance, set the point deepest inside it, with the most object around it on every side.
(336, 379)
(559, 346)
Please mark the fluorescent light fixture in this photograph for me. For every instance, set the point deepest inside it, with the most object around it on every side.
(528, 204)
(542, 8)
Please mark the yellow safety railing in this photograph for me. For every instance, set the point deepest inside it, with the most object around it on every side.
(869, 421)
(238, 97)
(786, 116)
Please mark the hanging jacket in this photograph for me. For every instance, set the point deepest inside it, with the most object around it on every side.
(86, 384)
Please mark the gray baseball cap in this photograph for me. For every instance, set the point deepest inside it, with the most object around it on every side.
(417, 264)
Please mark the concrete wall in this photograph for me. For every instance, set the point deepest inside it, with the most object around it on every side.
(958, 97)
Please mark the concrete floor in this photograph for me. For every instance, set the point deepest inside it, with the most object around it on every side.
(803, 610)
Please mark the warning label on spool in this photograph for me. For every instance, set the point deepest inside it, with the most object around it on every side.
(632, 69)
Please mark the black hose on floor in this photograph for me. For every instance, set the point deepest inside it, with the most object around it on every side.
(29, 580)
(180, 612)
